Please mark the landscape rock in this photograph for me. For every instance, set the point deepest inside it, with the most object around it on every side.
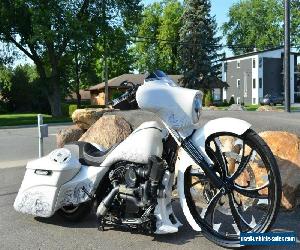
(210, 108)
(236, 107)
(286, 148)
(135, 117)
(107, 131)
(268, 108)
(84, 118)
(68, 135)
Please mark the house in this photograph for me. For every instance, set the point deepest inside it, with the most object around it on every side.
(253, 75)
(85, 96)
(98, 91)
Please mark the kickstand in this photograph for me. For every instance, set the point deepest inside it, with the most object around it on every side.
(101, 224)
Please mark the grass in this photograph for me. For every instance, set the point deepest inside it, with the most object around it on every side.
(28, 119)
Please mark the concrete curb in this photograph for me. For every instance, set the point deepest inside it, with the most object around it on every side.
(35, 125)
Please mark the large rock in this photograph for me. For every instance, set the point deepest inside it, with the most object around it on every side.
(107, 131)
(136, 117)
(286, 148)
(85, 118)
(268, 108)
(68, 135)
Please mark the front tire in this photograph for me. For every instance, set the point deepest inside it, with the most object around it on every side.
(75, 213)
(252, 203)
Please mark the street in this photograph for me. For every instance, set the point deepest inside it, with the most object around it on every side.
(19, 231)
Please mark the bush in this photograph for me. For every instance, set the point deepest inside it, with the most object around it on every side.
(231, 101)
(208, 99)
(68, 109)
(225, 103)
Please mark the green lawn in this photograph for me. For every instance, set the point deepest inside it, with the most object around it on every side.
(27, 119)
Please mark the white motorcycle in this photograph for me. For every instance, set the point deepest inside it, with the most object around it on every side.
(226, 176)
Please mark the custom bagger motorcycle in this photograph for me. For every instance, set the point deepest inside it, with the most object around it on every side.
(226, 177)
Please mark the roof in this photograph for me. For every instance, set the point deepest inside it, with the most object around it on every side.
(255, 53)
(85, 95)
(134, 78)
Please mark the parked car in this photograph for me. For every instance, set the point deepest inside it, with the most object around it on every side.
(272, 100)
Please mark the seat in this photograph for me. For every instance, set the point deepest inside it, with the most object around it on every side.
(87, 153)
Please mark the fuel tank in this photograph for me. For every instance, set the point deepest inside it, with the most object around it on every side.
(143, 142)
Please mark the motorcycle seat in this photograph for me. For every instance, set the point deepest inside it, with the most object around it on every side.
(87, 153)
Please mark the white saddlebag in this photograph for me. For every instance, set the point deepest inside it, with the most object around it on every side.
(42, 181)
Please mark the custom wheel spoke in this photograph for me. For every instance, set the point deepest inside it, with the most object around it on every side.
(243, 164)
(209, 212)
(252, 192)
(237, 217)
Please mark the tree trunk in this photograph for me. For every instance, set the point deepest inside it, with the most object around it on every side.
(55, 98)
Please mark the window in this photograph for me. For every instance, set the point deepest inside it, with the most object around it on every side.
(254, 83)
(260, 83)
(253, 63)
(260, 62)
(254, 101)
(238, 64)
(238, 83)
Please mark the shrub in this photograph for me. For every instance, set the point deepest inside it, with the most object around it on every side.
(231, 101)
(225, 103)
(208, 99)
(68, 109)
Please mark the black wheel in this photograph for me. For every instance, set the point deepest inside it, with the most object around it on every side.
(251, 199)
(75, 213)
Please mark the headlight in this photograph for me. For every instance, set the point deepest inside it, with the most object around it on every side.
(197, 107)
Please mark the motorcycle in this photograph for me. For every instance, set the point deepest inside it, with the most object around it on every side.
(226, 177)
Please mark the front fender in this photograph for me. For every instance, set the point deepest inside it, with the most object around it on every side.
(230, 125)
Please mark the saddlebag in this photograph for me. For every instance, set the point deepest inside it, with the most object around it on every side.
(42, 181)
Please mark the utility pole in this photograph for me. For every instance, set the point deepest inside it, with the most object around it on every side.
(287, 58)
(105, 52)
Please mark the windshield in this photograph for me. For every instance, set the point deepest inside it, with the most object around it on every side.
(159, 76)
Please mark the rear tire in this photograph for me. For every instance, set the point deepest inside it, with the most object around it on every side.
(75, 213)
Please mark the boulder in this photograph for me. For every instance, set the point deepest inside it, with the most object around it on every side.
(236, 107)
(268, 108)
(136, 117)
(286, 148)
(68, 135)
(107, 131)
(84, 118)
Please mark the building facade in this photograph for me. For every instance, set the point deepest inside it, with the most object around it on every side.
(253, 75)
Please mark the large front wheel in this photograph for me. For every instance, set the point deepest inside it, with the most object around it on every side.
(251, 199)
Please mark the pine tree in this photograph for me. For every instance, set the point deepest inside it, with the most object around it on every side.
(198, 44)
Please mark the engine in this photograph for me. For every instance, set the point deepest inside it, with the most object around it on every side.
(133, 195)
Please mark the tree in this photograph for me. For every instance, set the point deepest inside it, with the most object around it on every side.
(168, 36)
(119, 58)
(145, 50)
(43, 30)
(158, 37)
(259, 24)
(198, 43)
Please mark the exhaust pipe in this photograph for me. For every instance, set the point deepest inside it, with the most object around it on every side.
(106, 202)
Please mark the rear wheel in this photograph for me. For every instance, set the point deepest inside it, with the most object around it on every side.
(75, 213)
(251, 199)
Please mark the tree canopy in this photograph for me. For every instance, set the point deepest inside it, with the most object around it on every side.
(259, 24)
(199, 44)
(45, 30)
(157, 37)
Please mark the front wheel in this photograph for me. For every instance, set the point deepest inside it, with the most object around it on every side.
(253, 188)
